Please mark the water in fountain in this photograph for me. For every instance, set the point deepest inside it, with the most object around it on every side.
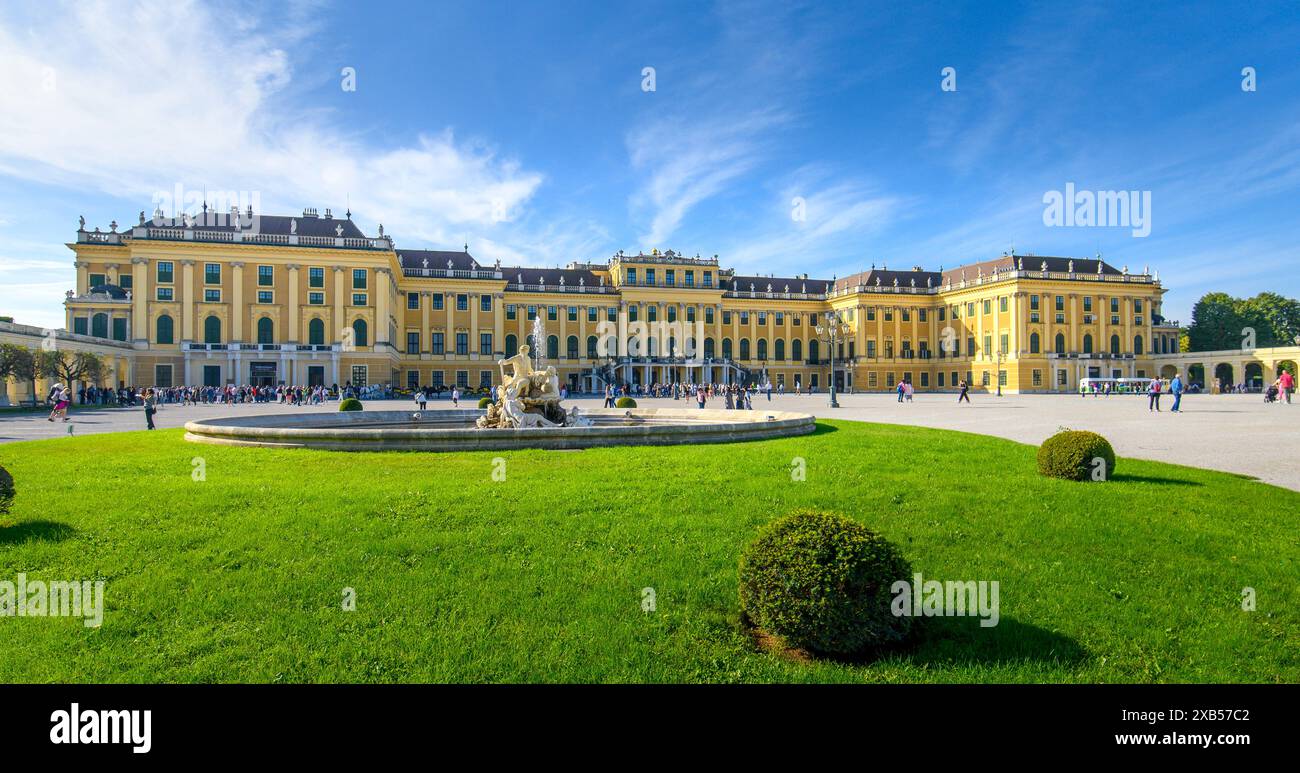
(539, 340)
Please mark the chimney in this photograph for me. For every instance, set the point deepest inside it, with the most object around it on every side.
(327, 213)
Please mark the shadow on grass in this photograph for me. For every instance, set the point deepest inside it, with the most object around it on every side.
(948, 642)
(1122, 478)
(822, 428)
(27, 531)
(958, 641)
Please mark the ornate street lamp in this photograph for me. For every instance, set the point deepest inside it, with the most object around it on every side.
(832, 331)
(1001, 356)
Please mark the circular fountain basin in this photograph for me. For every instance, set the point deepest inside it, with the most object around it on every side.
(454, 430)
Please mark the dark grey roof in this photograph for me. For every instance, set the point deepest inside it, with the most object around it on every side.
(461, 261)
(760, 283)
(550, 276)
(267, 224)
(886, 278)
(1030, 263)
(111, 290)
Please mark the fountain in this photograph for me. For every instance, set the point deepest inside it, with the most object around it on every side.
(527, 413)
(528, 397)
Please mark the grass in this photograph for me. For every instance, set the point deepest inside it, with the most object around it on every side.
(539, 578)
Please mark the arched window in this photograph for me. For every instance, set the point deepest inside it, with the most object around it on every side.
(316, 332)
(99, 326)
(532, 345)
(360, 332)
(571, 347)
(591, 348)
(762, 348)
(266, 330)
(1033, 343)
(552, 347)
(1060, 343)
(812, 350)
(1137, 345)
(1114, 344)
(1087, 343)
(512, 346)
(165, 330)
(708, 348)
(726, 348)
(796, 350)
(651, 347)
(744, 348)
(780, 350)
(212, 330)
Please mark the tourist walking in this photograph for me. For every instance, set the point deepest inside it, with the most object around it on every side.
(421, 399)
(150, 407)
(1286, 383)
(62, 398)
(455, 397)
(1153, 395)
(965, 389)
(1176, 388)
(900, 389)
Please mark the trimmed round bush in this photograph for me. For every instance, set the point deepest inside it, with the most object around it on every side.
(625, 402)
(350, 404)
(1070, 454)
(484, 402)
(823, 582)
(6, 490)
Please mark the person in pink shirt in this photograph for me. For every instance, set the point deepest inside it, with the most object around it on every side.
(1286, 381)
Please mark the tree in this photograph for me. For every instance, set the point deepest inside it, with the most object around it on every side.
(18, 362)
(70, 367)
(1220, 321)
(1216, 323)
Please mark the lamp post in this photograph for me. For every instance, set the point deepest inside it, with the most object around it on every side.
(833, 331)
(1001, 356)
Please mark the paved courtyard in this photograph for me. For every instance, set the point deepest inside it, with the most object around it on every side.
(1233, 433)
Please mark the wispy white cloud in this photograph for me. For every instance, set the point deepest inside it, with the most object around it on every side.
(135, 102)
(686, 162)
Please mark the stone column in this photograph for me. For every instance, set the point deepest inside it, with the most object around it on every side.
(140, 300)
(382, 287)
(237, 310)
(340, 294)
(498, 322)
(473, 323)
(426, 335)
(83, 276)
(294, 323)
(187, 304)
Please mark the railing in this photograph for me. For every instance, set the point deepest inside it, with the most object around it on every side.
(202, 347)
(451, 273)
(247, 237)
(559, 288)
(774, 295)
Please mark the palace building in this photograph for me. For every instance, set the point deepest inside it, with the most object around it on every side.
(311, 299)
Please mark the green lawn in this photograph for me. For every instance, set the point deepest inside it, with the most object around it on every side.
(539, 578)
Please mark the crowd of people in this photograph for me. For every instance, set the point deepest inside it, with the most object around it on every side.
(733, 396)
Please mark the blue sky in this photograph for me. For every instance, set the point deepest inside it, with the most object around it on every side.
(524, 129)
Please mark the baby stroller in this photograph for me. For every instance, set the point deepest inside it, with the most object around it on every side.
(1270, 396)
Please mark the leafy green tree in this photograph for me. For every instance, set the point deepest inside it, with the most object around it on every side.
(18, 362)
(1216, 323)
(71, 367)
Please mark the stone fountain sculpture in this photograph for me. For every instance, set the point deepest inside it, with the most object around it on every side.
(528, 398)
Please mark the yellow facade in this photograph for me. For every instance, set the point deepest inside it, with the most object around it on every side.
(312, 300)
